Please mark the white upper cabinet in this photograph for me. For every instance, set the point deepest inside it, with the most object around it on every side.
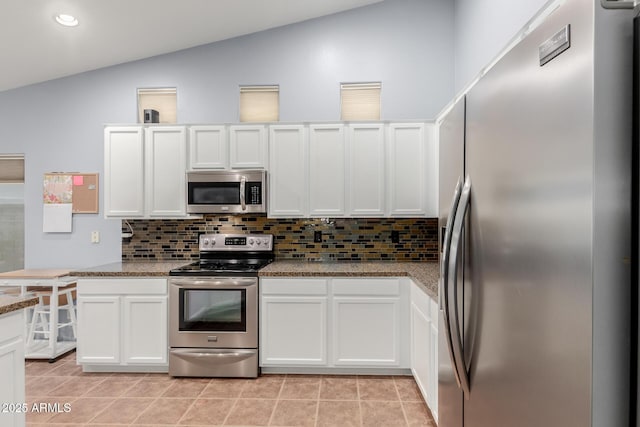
(208, 147)
(411, 157)
(145, 171)
(288, 145)
(124, 171)
(366, 169)
(248, 146)
(327, 155)
(166, 150)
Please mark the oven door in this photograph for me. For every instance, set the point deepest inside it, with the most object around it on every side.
(211, 312)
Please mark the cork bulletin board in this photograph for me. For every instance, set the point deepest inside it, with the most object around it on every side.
(84, 191)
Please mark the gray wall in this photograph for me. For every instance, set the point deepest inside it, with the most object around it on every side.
(406, 44)
(483, 28)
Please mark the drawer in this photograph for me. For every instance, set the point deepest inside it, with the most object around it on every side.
(293, 286)
(366, 286)
(124, 286)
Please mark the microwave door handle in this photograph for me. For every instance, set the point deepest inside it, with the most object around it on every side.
(243, 181)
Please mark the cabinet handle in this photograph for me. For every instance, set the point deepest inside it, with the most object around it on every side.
(243, 182)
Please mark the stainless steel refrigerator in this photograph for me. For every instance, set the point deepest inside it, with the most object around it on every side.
(535, 221)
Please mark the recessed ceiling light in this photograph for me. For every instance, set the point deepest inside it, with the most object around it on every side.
(67, 20)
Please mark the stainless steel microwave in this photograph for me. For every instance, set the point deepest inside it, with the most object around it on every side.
(234, 192)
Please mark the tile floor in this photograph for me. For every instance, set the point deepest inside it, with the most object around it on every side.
(271, 400)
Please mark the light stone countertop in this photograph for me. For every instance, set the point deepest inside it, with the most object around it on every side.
(424, 274)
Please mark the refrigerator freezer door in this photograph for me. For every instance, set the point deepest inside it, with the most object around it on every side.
(451, 158)
(529, 151)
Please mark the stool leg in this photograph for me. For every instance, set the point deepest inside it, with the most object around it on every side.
(32, 326)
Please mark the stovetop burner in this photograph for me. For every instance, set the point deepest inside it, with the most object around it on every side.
(240, 255)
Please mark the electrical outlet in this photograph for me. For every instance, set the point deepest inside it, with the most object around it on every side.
(317, 236)
(95, 237)
(395, 237)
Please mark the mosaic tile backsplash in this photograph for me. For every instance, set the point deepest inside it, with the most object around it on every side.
(343, 239)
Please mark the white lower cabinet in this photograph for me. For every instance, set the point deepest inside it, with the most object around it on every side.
(294, 319)
(122, 323)
(12, 372)
(366, 322)
(333, 323)
(424, 345)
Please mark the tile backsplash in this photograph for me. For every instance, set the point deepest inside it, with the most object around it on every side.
(343, 239)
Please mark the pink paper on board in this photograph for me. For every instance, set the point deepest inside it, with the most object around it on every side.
(78, 180)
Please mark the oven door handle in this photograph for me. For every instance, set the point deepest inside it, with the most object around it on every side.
(213, 282)
(211, 355)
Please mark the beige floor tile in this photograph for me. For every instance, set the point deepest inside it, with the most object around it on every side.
(224, 388)
(339, 414)
(295, 413)
(378, 413)
(64, 369)
(186, 387)
(164, 411)
(122, 411)
(298, 387)
(418, 414)
(265, 387)
(76, 386)
(377, 389)
(251, 412)
(339, 388)
(39, 367)
(208, 412)
(82, 410)
(112, 387)
(147, 388)
(408, 389)
(42, 386)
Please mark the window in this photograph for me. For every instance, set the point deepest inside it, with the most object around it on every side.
(163, 100)
(259, 103)
(360, 101)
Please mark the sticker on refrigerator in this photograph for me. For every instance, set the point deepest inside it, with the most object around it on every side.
(555, 45)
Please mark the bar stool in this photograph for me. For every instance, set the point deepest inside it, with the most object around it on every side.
(41, 311)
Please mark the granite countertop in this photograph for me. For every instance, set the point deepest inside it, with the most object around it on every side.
(9, 303)
(135, 269)
(424, 274)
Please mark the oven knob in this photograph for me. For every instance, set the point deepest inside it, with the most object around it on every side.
(266, 242)
(205, 242)
(258, 241)
(251, 241)
(213, 242)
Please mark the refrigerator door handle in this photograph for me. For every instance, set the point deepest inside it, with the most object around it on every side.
(456, 237)
(444, 276)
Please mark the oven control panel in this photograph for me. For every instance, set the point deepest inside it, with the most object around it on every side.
(236, 242)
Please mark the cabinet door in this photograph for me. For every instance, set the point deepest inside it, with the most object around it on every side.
(326, 170)
(433, 368)
(208, 147)
(248, 146)
(145, 333)
(406, 178)
(12, 367)
(366, 331)
(366, 169)
(98, 340)
(293, 331)
(166, 151)
(288, 195)
(124, 172)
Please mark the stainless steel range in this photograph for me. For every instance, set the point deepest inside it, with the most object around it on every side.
(213, 307)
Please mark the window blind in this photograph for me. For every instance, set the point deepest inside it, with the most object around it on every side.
(360, 101)
(259, 103)
(163, 100)
(11, 169)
